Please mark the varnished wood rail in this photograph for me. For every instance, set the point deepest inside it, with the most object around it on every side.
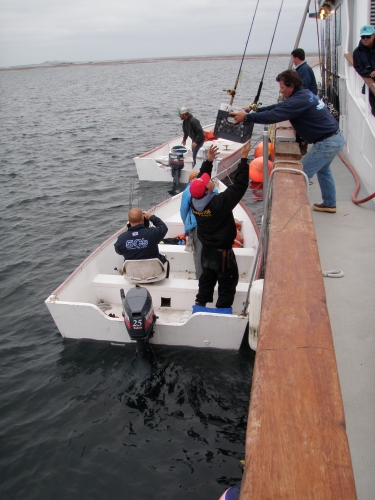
(296, 443)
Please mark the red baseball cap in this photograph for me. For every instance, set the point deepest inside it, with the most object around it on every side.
(198, 186)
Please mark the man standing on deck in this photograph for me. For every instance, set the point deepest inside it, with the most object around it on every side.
(304, 70)
(217, 229)
(140, 241)
(309, 82)
(314, 123)
(364, 59)
(192, 128)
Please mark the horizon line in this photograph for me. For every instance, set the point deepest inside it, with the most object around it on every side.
(56, 64)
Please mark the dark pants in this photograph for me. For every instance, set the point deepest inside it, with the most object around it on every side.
(218, 266)
(371, 98)
(372, 102)
(195, 151)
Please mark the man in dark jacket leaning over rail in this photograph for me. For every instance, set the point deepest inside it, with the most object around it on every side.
(364, 59)
(311, 120)
(217, 229)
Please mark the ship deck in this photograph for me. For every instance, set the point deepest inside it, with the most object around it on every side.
(346, 241)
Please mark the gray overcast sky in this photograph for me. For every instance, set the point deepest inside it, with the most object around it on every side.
(34, 31)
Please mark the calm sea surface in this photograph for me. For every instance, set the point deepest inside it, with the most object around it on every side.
(80, 420)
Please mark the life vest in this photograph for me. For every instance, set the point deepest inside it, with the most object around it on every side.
(238, 242)
(209, 136)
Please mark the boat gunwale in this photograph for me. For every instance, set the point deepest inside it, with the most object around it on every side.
(106, 242)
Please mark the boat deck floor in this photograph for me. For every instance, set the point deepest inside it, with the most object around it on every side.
(168, 315)
(346, 241)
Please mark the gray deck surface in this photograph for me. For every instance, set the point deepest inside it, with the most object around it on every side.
(346, 241)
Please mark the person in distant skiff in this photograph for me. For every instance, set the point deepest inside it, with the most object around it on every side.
(364, 59)
(193, 129)
(141, 242)
(312, 120)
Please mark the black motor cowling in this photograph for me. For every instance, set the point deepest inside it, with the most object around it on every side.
(138, 313)
(176, 162)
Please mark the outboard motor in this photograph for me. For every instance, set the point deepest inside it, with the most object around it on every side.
(176, 162)
(139, 317)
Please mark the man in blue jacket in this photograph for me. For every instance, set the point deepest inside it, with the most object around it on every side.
(141, 242)
(304, 70)
(364, 59)
(314, 123)
(309, 82)
(217, 229)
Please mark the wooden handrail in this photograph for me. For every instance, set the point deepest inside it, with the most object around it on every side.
(368, 81)
(296, 442)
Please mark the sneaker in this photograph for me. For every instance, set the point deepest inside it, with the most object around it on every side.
(320, 207)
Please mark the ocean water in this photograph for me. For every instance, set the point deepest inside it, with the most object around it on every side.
(82, 420)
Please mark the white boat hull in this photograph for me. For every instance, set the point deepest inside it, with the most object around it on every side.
(153, 165)
(74, 304)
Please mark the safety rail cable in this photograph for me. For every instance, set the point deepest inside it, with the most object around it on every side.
(263, 237)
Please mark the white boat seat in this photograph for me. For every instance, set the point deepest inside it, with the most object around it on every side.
(144, 271)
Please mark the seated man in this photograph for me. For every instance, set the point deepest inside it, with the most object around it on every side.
(140, 242)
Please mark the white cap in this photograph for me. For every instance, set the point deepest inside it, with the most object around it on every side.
(182, 111)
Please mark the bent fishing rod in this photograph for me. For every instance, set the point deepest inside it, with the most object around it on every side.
(232, 92)
(254, 104)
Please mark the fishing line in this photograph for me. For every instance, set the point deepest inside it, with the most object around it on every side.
(269, 52)
(232, 92)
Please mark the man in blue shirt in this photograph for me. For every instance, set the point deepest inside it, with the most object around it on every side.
(314, 123)
(304, 70)
(309, 82)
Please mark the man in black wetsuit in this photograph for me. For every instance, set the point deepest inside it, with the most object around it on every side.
(217, 230)
(140, 242)
(192, 128)
(364, 59)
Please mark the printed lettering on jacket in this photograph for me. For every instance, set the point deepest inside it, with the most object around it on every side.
(136, 244)
(205, 213)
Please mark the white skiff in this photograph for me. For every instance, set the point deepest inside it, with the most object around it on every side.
(74, 304)
(153, 165)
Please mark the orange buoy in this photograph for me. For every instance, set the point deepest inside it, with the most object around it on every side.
(258, 151)
(256, 169)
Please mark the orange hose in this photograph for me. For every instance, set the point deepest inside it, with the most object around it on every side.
(357, 183)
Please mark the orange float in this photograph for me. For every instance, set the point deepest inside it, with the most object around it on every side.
(258, 151)
(256, 169)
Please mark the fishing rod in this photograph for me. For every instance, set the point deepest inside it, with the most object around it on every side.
(254, 104)
(232, 92)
